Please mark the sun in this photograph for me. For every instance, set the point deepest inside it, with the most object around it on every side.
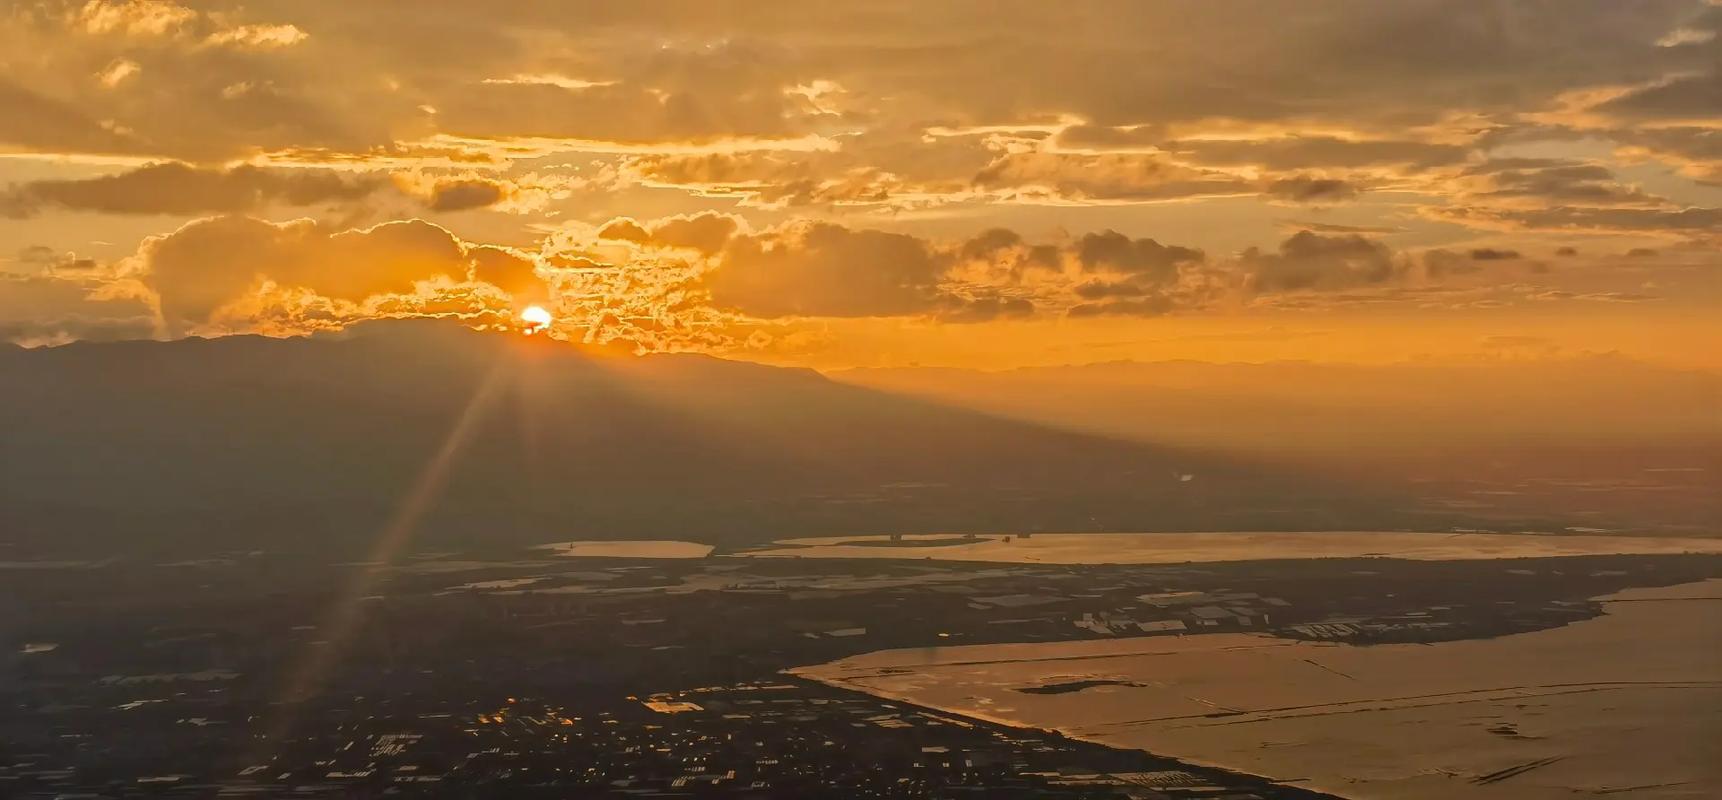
(536, 319)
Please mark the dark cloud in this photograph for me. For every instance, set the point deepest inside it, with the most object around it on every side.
(1312, 190)
(685, 71)
(1113, 251)
(1304, 152)
(625, 230)
(1698, 223)
(183, 189)
(1553, 181)
(985, 309)
(1694, 97)
(1096, 290)
(706, 232)
(1124, 177)
(33, 121)
(989, 243)
(466, 194)
(1439, 263)
(718, 169)
(1695, 151)
(1313, 261)
(1006, 248)
(75, 329)
(1149, 306)
(47, 260)
(1328, 227)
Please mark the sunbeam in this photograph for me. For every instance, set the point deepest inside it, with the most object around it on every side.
(307, 674)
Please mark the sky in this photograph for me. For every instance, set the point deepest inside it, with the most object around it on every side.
(975, 183)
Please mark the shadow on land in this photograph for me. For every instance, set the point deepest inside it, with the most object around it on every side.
(244, 443)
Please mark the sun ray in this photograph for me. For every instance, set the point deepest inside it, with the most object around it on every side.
(306, 675)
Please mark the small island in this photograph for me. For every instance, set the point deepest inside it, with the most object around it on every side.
(1069, 687)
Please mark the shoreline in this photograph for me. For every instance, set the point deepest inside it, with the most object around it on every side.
(859, 678)
(1304, 785)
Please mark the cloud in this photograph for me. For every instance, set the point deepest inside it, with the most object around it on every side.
(1117, 177)
(1329, 227)
(1153, 305)
(1688, 98)
(208, 265)
(117, 72)
(1096, 290)
(625, 230)
(142, 18)
(63, 302)
(178, 188)
(449, 192)
(1696, 223)
(718, 171)
(1532, 194)
(821, 269)
(183, 189)
(1546, 181)
(674, 94)
(509, 271)
(985, 308)
(1309, 261)
(1695, 151)
(260, 37)
(1296, 152)
(1439, 262)
(745, 128)
(706, 232)
(1115, 252)
(813, 269)
(30, 120)
(1140, 74)
(1312, 190)
(466, 193)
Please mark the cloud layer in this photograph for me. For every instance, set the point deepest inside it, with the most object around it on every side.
(711, 175)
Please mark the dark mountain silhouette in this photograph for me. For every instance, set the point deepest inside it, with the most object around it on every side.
(256, 443)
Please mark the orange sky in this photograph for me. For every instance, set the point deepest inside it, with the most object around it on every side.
(975, 183)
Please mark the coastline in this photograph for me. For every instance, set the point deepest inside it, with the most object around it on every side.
(1305, 786)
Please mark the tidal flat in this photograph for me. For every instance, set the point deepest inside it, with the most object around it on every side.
(1183, 548)
(1628, 703)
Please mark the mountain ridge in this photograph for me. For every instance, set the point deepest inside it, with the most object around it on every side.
(252, 441)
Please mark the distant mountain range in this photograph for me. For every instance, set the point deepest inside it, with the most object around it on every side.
(1594, 440)
(247, 442)
(1604, 400)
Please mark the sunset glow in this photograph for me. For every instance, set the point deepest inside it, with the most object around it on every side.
(535, 319)
(773, 399)
(858, 184)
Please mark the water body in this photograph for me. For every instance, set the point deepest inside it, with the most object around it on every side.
(1179, 548)
(637, 549)
(1628, 704)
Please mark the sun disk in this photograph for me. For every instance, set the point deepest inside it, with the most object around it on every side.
(536, 319)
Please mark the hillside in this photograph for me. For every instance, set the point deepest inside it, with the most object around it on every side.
(258, 443)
